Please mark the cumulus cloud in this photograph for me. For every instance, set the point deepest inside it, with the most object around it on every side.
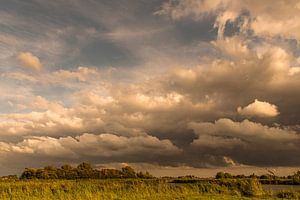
(105, 145)
(254, 142)
(294, 70)
(100, 149)
(266, 18)
(30, 60)
(260, 109)
(188, 115)
(245, 129)
(164, 106)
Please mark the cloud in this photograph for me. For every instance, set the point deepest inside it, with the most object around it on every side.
(260, 109)
(246, 142)
(189, 8)
(164, 104)
(20, 76)
(265, 18)
(234, 47)
(105, 145)
(8, 39)
(64, 78)
(294, 70)
(242, 130)
(81, 74)
(30, 60)
(98, 149)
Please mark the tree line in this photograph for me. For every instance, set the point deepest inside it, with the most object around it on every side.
(82, 171)
(269, 178)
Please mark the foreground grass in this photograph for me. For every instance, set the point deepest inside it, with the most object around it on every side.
(125, 189)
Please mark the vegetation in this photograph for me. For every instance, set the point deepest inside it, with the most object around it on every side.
(270, 178)
(82, 171)
(120, 189)
(289, 194)
(85, 182)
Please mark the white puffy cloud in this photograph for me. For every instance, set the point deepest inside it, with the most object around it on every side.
(260, 109)
(30, 60)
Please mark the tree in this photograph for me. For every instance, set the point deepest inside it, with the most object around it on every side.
(128, 172)
(84, 170)
(144, 175)
(67, 167)
(221, 175)
(84, 166)
(28, 173)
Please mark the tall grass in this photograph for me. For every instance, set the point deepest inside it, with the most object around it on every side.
(125, 189)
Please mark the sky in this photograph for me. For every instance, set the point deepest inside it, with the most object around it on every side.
(159, 84)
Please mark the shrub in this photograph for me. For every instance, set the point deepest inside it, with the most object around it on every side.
(288, 195)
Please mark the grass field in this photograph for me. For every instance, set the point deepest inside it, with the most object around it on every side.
(128, 189)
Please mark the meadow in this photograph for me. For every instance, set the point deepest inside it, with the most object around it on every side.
(87, 183)
(130, 189)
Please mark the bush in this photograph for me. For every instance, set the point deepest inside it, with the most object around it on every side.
(288, 195)
(221, 175)
(251, 187)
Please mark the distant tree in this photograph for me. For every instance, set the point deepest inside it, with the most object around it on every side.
(50, 168)
(221, 175)
(28, 173)
(111, 173)
(147, 175)
(67, 167)
(144, 175)
(83, 170)
(128, 172)
(10, 177)
(265, 176)
(296, 178)
(253, 176)
(84, 166)
(241, 176)
(297, 174)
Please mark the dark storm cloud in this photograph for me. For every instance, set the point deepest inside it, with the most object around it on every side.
(193, 83)
(68, 33)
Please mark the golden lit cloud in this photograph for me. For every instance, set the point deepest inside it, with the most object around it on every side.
(260, 109)
(29, 60)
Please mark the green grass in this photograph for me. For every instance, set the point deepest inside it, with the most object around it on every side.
(153, 189)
